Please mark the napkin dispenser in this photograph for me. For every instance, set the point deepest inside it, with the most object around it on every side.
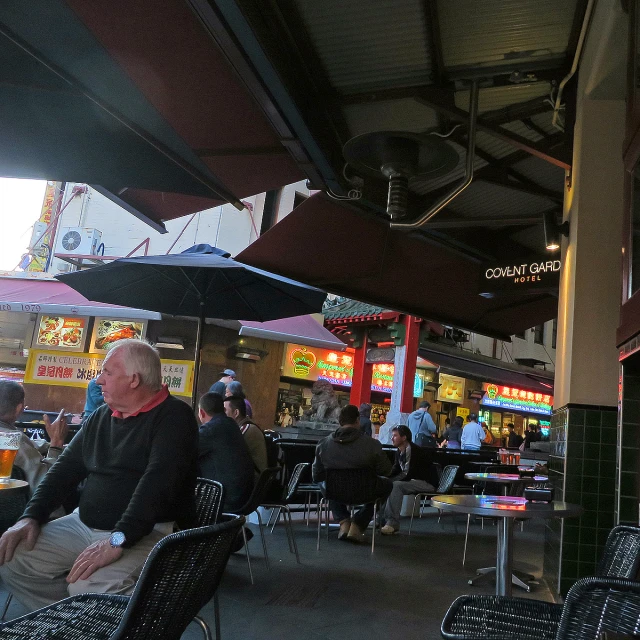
(539, 492)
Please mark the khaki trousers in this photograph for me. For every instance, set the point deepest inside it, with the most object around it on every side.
(37, 577)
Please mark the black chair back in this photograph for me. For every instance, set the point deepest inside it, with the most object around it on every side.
(294, 480)
(351, 486)
(209, 501)
(621, 557)
(594, 605)
(447, 479)
(259, 494)
(180, 575)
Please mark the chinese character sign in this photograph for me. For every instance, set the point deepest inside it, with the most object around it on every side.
(516, 398)
(76, 370)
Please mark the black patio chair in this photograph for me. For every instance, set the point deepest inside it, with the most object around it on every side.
(256, 499)
(620, 560)
(444, 487)
(180, 575)
(592, 606)
(282, 506)
(209, 501)
(352, 487)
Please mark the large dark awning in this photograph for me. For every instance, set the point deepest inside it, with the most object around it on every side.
(465, 363)
(343, 250)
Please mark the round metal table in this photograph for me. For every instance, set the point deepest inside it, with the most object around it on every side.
(504, 478)
(506, 509)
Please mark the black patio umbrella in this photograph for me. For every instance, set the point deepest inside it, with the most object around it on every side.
(202, 282)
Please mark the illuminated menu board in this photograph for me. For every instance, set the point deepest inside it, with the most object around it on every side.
(61, 332)
(337, 367)
(516, 399)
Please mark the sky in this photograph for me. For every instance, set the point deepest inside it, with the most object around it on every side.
(20, 205)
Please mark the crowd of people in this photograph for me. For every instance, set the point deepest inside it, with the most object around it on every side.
(133, 465)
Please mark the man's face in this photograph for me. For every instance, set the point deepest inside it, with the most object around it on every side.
(397, 439)
(226, 379)
(231, 413)
(116, 385)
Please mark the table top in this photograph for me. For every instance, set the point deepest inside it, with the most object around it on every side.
(13, 484)
(505, 507)
(509, 478)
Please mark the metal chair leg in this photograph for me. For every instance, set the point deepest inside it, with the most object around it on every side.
(288, 520)
(246, 548)
(320, 507)
(326, 517)
(216, 615)
(373, 537)
(413, 511)
(264, 542)
(6, 606)
(466, 537)
(205, 628)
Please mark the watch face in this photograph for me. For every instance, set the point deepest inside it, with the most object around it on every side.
(117, 539)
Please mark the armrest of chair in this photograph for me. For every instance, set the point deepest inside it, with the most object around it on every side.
(500, 618)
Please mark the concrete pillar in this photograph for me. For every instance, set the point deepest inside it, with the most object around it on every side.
(583, 428)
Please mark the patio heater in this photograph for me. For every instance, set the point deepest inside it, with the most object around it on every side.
(399, 156)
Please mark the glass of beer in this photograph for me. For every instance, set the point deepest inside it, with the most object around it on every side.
(9, 444)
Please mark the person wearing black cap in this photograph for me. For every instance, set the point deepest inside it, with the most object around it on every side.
(227, 376)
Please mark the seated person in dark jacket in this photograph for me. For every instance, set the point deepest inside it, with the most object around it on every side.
(348, 448)
(223, 454)
(139, 456)
(412, 473)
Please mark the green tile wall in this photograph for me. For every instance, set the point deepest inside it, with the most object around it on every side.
(629, 447)
(582, 468)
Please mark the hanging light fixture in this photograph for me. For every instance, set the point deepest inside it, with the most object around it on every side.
(553, 230)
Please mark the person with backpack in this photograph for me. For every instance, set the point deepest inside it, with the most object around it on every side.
(236, 409)
(423, 428)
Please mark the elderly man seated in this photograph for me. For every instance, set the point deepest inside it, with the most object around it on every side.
(34, 457)
(139, 456)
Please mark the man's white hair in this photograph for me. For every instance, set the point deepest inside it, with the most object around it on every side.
(142, 358)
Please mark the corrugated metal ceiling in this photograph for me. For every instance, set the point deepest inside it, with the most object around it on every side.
(543, 173)
(482, 199)
(369, 45)
(492, 98)
(396, 115)
(503, 32)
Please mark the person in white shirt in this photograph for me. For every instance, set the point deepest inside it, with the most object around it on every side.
(473, 434)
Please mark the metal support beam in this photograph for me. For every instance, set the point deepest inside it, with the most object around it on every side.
(560, 159)
(462, 223)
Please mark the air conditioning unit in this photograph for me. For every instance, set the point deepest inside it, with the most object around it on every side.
(37, 235)
(80, 240)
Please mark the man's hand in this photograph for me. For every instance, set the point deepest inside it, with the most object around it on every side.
(95, 556)
(57, 429)
(26, 530)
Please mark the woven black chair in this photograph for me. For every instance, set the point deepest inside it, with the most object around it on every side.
(593, 605)
(257, 498)
(281, 506)
(209, 501)
(180, 575)
(352, 487)
(445, 486)
(621, 559)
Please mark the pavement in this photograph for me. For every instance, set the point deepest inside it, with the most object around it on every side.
(343, 591)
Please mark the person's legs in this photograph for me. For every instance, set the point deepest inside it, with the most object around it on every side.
(339, 511)
(363, 517)
(37, 577)
(402, 488)
(121, 576)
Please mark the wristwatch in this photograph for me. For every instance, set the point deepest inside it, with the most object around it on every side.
(117, 539)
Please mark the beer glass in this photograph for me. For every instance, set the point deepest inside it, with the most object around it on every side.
(9, 444)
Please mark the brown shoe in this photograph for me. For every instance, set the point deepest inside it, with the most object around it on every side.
(344, 529)
(355, 534)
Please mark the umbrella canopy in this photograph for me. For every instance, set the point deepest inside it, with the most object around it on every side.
(203, 282)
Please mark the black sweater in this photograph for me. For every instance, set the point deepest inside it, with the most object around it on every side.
(139, 471)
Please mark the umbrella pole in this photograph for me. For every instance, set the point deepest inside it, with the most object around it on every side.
(196, 366)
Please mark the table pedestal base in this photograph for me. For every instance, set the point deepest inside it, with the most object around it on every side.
(518, 578)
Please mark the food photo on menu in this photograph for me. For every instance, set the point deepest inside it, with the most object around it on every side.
(61, 332)
(106, 332)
